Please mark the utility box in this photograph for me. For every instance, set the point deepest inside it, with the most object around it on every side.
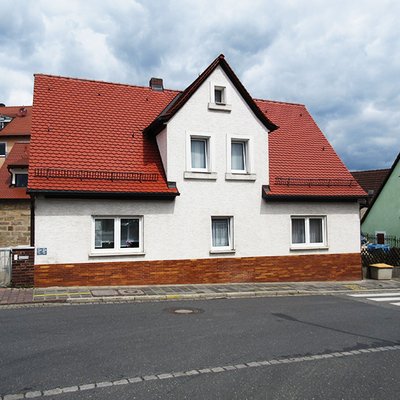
(381, 271)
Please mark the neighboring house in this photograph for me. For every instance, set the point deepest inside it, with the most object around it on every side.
(382, 218)
(371, 181)
(15, 203)
(15, 126)
(142, 185)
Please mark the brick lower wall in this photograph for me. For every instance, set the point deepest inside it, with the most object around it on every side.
(326, 267)
(22, 267)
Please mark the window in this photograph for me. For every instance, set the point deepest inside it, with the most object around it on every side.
(120, 234)
(308, 231)
(221, 230)
(219, 95)
(3, 149)
(21, 180)
(199, 154)
(238, 156)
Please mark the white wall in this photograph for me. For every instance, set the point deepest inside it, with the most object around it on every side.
(181, 229)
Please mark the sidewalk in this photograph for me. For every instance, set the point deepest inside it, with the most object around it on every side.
(78, 295)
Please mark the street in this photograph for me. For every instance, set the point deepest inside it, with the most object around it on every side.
(297, 347)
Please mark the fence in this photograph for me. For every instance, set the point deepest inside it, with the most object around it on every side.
(392, 241)
(5, 267)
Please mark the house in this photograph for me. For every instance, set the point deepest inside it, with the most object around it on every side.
(15, 126)
(382, 218)
(144, 185)
(371, 181)
(15, 203)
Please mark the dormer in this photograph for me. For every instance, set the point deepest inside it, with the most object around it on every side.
(19, 176)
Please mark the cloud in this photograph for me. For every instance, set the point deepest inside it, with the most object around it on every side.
(340, 58)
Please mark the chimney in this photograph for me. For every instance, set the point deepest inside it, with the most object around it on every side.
(156, 84)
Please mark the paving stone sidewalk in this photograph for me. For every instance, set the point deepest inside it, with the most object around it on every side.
(10, 296)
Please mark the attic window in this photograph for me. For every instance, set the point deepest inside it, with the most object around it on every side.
(3, 149)
(4, 120)
(219, 95)
(21, 180)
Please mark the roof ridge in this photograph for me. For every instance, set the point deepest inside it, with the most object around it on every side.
(102, 81)
(280, 102)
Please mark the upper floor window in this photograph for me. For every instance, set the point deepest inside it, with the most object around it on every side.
(219, 99)
(238, 156)
(199, 154)
(3, 149)
(309, 231)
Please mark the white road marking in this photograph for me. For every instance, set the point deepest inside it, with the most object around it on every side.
(375, 294)
(384, 298)
(395, 304)
(192, 372)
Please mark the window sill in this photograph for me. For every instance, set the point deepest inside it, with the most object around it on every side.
(225, 251)
(116, 254)
(212, 176)
(220, 107)
(240, 177)
(322, 247)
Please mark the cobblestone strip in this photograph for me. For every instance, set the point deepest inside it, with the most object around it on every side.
(192, 372)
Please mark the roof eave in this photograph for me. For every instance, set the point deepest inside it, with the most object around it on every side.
(83, 194)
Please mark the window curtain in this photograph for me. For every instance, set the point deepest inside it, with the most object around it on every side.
(316, 230)
(237, 156)
(298, 231)
(220, 232)
(198, 148)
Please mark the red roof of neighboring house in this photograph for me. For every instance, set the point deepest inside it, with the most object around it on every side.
(302, 163)
(371, 180)
(87, 137)
(21, 121)
(18, 157)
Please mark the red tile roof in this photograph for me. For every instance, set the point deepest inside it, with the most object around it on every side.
(371, 180)
(87, 137)
(87, 132)
(302, 163)
(21, 121)
(18, 156)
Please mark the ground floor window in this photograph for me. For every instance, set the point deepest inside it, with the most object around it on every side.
(118, 233)
(308, 231)
(222, 233)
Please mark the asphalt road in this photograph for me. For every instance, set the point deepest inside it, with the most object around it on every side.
(67, 346)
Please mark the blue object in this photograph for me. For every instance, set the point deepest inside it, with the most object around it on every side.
(372, 247)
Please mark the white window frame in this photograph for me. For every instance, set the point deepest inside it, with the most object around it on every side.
(245, 144)
(223, 249)
(308, 244)
(117, 250)
(200, 173)
(224, 104)
(17, 171)
(248, 173)
(5, 149)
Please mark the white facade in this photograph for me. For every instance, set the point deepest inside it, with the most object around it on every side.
(181, 228)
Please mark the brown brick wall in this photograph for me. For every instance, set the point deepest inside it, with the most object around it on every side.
(22, 267)
(327, 267)
(15, 223)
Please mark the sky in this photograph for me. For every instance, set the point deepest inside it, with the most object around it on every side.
(339, 58)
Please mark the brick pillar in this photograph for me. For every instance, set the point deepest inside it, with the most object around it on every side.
(22, 266)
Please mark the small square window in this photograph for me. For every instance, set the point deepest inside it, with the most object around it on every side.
(221, 229)
(219, 95)
(308, 231)
(21, 180)
(199, 154)
(238, 156)
(3, 149)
